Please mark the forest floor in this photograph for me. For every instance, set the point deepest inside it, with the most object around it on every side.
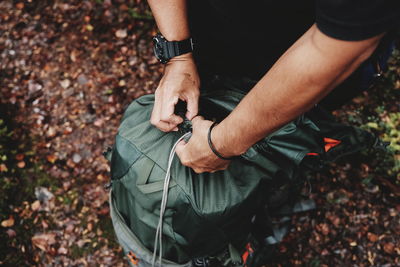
(68, 69)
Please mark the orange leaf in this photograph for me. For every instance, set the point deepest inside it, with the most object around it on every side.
(21, 164)
(51, 158)
(3, 168)
(19, 157)
(9, 222)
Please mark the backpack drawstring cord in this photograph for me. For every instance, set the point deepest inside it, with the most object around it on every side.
(164, 201)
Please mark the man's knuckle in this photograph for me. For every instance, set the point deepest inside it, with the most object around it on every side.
(198, 171)
(153, 121)
(185, 161)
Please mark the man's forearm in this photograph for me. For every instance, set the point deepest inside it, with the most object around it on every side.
(171, 18)
(306, 73)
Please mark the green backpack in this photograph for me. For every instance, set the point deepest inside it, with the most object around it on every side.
(210, 214)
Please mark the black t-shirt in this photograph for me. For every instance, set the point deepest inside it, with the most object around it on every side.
(247, 37)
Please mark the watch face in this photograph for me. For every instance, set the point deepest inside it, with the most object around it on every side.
(158, 49)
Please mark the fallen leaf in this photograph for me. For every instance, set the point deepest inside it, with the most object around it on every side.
(44, 241)
(89, 27)
(372, 237)
(325, 229)
(121, 83)
(35, 205)
(65, 83)
(20, 5)
(388, 248)
(11, 233)
(353, 244)
(9, 222)
(121, 33)
(73, 55)
(21, 164)
(69, 228)
(19, 157)
(51, 158)
(51, 132)
(3, 168)
(62, 251)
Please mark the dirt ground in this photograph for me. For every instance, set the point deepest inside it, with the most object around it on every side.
(68, 69)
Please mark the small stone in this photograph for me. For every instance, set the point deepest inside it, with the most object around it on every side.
(76, 158)
(43, 194)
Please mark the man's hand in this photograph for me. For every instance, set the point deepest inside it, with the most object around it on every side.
(197, 154)
(180, 81)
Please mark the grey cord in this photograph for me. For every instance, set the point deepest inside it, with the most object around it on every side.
(164, 202)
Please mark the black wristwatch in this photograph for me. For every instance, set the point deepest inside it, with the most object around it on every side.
(165, 50)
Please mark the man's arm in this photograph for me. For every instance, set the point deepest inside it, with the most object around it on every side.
(306, 73)
(171, 18)
(180, 79)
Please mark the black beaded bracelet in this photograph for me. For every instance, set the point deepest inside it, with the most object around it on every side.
(212, 146)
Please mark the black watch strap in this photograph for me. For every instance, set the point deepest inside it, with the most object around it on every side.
(177, 48)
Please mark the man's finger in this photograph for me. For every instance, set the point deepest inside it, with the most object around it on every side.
(165, 126)
(199, 170)
(192, 107)
(174, 119)
(179, 147)
(155, 114)
(168, 108)
(196, 122)
(167, 113)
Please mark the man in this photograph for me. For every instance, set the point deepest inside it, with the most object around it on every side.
(298, 51)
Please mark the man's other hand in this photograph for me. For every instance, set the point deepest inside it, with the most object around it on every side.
(197, 154)
(180, 81)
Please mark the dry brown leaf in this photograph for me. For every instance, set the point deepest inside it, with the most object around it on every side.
(62, 251)
(353, 244)
(388, 248)
(21, 164)
(372, 237)
(35, 205)
(122, 33)
(20, 5)
(44, 241)
(19, 157)
(3, 168)
(9, 222)
(11, 233)
(51, 158)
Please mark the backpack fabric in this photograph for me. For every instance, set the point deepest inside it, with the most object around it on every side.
(210, 213)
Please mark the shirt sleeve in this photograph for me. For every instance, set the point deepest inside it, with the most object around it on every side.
(355, 20)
